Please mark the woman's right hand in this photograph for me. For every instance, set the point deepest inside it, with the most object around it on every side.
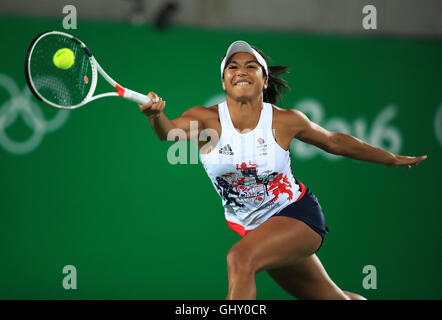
(154, 107)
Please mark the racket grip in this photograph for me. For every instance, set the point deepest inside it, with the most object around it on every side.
(135, 96)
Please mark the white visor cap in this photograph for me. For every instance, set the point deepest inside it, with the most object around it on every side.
(242, 46)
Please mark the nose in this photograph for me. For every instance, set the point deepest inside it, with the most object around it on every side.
(241, 71)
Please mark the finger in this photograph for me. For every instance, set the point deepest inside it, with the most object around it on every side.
(153, 97)
(422, 158)
(158, 104)
(144, 107)
(147, 105)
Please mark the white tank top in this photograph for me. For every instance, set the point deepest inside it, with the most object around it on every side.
(251, 172)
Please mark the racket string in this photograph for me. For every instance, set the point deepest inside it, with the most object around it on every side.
(63, 87)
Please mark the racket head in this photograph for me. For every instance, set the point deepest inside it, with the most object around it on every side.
(61, 88)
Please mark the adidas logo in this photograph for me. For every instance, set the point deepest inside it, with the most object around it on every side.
(226, 150)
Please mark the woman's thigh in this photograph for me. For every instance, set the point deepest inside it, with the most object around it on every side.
(279, 241)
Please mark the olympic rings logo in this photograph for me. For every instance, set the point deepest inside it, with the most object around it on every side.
(19, 103)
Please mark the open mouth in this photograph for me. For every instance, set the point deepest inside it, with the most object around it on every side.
(242, 84)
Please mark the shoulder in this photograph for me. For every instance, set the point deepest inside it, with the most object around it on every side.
(289, 122)
(289, 117)
(201, 112)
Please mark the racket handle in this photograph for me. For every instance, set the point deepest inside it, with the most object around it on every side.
(135, 96)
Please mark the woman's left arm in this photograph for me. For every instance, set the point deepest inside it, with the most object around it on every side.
(346, 145)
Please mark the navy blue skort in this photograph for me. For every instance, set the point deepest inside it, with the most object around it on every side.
(308, 210)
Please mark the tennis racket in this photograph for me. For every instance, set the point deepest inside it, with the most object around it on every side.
(72, 87)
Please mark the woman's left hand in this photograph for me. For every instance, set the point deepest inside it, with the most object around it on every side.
(403, 161)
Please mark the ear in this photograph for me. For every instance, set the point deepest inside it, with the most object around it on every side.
(224, 86)
(266, 84)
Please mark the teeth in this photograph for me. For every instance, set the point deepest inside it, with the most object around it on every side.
(242, 83)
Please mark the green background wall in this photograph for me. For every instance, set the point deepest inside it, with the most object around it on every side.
(94, 188)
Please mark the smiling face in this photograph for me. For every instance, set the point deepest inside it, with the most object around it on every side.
(244, 79)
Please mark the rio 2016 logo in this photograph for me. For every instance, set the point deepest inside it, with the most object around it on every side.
(21, 103)
(381, 134)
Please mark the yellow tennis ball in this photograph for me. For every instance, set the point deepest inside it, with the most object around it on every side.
(64, 58)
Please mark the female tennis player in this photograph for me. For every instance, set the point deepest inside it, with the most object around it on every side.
(248, 162)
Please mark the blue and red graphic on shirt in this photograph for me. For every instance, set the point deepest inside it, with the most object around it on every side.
(246, 187)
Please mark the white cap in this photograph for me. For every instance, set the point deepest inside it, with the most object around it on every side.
(242, 46)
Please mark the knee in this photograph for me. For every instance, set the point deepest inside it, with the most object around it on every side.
(240, 260)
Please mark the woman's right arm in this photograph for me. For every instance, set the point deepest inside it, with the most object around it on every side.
(161, 124)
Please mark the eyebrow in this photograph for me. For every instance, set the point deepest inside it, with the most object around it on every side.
(247, 62)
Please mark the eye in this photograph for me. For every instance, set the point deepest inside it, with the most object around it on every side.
(231, 66)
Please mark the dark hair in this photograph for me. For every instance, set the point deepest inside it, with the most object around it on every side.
(275, 84)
